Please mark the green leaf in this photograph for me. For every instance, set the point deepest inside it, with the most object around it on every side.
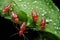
(46, 36)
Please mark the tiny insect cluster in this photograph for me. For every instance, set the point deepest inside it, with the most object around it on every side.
(36, 16)
(16, 19)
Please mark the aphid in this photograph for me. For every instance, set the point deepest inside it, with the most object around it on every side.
(7, 8)
(15, 17)
(43, 23)
(22, 29)
(35, 15)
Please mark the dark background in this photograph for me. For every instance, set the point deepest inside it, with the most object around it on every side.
(57, 3)
(7, 28)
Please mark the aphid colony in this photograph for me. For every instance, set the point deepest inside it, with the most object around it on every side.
(23, 26)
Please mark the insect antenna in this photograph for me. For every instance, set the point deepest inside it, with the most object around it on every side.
(25, 38)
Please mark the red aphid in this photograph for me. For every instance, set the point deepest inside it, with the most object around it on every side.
(22, 29)
(43, 23)
(15, 17)
(6, 8)
(35, 15)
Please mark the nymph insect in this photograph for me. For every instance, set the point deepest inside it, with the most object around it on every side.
(34, 15)
(7, 8)
(43, 23)
(15, 17)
